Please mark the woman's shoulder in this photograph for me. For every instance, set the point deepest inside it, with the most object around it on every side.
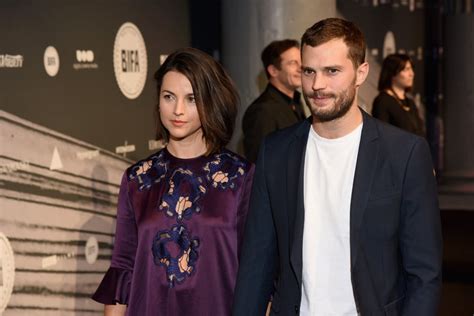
(227, 159)
(384, 97)
(148, 170)
(226, 169)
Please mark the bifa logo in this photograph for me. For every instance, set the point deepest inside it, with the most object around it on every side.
(130, 60)
(85, 60)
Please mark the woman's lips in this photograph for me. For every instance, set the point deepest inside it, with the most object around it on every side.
(178, 123)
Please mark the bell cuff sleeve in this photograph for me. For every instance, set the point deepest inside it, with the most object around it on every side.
(115, 287)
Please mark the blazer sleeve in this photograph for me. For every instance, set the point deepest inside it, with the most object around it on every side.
(420, 234)
(258, 257)
(115, 286)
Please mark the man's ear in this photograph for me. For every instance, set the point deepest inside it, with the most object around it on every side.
(272, 70)
(362, 73)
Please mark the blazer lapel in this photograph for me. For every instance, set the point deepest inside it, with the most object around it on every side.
(364, 174)
(295, 191)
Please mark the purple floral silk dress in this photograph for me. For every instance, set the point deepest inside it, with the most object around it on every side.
(179, 229)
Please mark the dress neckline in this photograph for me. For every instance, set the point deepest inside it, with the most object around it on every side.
(173, 157)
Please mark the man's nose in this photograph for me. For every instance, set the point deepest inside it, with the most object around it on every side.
(319, 82)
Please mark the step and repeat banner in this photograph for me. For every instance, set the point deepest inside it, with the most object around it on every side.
(77, 100)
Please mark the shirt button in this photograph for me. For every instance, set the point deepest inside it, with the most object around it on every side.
(297, 309)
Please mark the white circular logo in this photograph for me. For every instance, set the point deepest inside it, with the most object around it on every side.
(7, 269)
(389, 46)
(51, 61)
(130, 60)
(92, 250)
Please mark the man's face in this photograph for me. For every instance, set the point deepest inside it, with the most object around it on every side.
(329, 80)
(289, 74)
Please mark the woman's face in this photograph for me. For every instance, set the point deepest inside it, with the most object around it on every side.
(404, 79)
(178, 109)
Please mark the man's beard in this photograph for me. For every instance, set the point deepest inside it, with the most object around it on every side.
(342, 104)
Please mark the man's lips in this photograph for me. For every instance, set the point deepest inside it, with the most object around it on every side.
(321, 97)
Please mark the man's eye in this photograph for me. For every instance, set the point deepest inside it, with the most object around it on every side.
(333, 71)
(308, 72)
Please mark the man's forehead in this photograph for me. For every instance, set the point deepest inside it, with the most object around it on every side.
(332, 51)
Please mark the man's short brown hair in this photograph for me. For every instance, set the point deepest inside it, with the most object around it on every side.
(335, 28)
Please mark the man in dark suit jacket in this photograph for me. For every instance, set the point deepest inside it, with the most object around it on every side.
(279, 106)
(388, 237)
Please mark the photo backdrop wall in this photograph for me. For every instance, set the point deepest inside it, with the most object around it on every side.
(76, 108)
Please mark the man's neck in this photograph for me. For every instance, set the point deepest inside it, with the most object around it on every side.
(282, 88)
(339, 127)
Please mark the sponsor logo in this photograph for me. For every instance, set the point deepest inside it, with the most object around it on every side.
(14, 166)
(92, 250)
(130, 60)
(51, 61)
(11, 61)
(89, 154)
(85, 60)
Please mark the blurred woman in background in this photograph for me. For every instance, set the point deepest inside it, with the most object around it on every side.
(392, 105)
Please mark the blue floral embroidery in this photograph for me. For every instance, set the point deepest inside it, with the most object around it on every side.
(183, 194)
(149, 171)
(222, 172)
(178, 265)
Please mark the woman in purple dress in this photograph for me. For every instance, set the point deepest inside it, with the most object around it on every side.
(181, 211)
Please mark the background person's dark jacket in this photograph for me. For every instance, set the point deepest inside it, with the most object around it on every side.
(271, 111)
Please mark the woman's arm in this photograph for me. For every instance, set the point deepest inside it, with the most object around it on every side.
(115, 310)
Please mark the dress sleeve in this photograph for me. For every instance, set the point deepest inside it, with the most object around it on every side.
(115, 287)
(244, 206)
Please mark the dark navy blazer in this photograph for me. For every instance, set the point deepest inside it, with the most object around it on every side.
(395, 230)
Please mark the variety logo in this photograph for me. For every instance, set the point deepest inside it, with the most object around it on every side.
(130, 60)
(11, 61)
(51, 61)
(85, 60)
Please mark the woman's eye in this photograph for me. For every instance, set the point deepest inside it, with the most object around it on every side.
(192, 99)
(167, 97)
